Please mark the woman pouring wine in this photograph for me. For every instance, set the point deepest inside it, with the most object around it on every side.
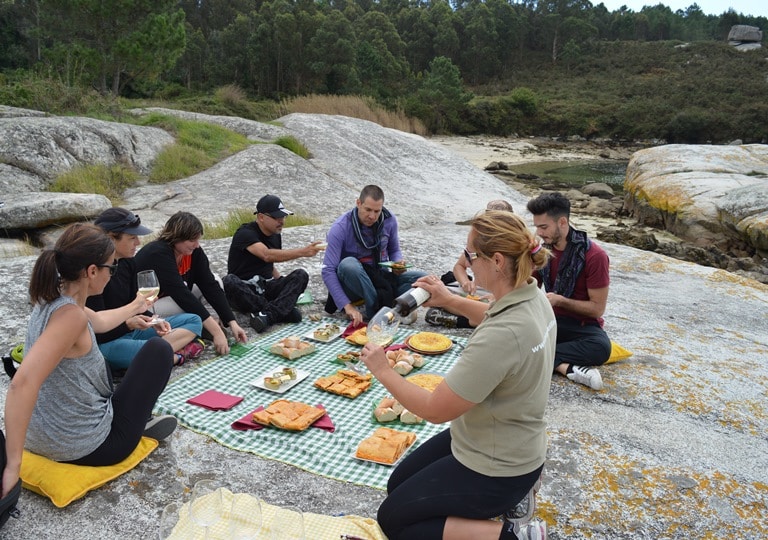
(453, 484)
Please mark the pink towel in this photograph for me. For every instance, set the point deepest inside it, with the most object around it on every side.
(351, 329)
(215, 400)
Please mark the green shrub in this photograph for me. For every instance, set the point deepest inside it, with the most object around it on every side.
(290, 142)
(523, 99)
(689, 127)
(109, 181)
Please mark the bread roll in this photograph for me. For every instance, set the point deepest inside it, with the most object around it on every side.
(407, 417)
(384, 414)
(402, 367)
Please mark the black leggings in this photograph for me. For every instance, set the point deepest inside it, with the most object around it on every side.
(132, 403)
(430, 485)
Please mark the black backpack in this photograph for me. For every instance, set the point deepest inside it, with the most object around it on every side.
(8, 503)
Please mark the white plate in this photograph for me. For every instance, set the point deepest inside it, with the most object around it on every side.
(311, 334)
(381, 462)
(405, 452)
(300, 376)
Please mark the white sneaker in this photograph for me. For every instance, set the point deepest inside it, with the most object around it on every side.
(533, 530)
(410, 318)
(587, 376)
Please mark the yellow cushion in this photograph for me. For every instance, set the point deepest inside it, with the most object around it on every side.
(64, 482)
(618, 353)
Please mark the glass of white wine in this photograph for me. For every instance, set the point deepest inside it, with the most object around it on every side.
(383, 326)
(149, 288)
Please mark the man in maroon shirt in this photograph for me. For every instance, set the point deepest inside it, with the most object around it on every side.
(576, 280)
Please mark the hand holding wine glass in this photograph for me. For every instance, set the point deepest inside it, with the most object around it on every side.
(149, 288)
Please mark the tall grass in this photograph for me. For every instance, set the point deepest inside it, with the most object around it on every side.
(289, 142)
(198, 146)
(239, 216)
(361, 107)
(107, 180)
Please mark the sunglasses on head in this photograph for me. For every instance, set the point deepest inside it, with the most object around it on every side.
(131, 220)
(112, 268)
(470, 256)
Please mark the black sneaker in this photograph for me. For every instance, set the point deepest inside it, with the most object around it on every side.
(294, 316)
(160, 427)
(440, 317)
(259, 322)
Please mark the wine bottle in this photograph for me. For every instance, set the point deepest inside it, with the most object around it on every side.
(383, 326)
(410, 300)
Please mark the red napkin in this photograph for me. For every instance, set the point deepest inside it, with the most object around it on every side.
(396, 347)
(246, 422)
(351, 329)
(215, 400)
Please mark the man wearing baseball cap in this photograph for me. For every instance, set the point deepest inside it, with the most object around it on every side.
(253, 285)
(120, 345)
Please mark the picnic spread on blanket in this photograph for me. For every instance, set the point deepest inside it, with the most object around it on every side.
(219, 399)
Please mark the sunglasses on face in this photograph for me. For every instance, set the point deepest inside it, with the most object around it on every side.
(112, 268)
(470, 256)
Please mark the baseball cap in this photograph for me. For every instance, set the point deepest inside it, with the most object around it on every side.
(120, 220)
(272, 205)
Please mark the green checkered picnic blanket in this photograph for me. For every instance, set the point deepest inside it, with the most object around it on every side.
(314, 450)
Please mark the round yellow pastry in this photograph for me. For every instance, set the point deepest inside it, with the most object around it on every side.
(429, 381)
(429, 342)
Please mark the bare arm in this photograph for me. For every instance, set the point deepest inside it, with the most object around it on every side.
(594, 307)
(105, 320)
(460, 273)
(260, 250)
(65, 335)
(437, 407)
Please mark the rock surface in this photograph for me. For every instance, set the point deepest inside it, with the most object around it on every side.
(36, 210)
(673, 447)
(36, 149)
(708, 195)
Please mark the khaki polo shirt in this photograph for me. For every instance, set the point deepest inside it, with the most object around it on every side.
(506, 368)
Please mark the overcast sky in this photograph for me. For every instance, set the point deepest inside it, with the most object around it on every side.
(709, 7)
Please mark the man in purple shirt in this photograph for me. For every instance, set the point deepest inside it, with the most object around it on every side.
(357, 242)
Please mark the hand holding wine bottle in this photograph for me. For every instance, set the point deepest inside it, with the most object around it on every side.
(383, 326)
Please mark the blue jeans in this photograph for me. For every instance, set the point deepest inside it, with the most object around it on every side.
(120, 352)
(357, 285)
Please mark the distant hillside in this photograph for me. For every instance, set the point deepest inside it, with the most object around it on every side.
(693, 93)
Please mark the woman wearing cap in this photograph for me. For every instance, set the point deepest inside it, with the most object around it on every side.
(120, 345)
(495, 397)
(185, 277)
